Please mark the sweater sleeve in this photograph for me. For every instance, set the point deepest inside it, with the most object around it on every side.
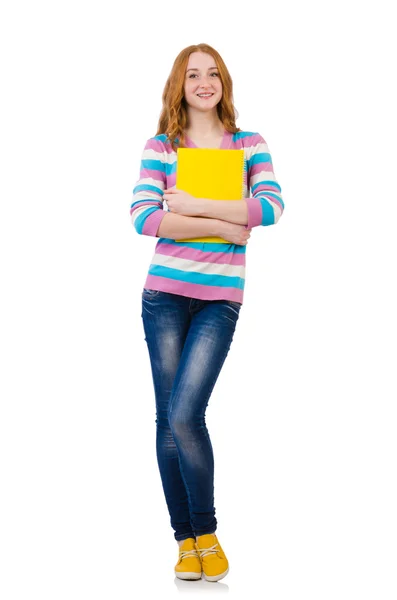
(147, 196)
(266, 205)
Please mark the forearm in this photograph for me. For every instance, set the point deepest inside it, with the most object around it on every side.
(179, 227)
(234, 211)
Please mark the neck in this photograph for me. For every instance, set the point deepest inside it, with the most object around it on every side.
(204, 124)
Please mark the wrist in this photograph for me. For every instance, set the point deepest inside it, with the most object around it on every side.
(217, 225)
(203, 205)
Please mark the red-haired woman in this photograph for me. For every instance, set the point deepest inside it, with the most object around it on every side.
(193, 292)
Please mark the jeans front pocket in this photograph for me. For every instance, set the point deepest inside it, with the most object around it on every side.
(234, 303)
(150, 293)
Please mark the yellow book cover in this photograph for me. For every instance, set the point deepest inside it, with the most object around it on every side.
(213, 173)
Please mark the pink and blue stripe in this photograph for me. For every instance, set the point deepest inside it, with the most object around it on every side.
(202, 270)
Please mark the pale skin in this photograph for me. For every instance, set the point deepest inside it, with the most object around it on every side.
(206, 129)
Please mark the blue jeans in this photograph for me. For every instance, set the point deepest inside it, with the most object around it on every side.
(188, 341)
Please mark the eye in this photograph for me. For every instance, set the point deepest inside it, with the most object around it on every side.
(195, 75)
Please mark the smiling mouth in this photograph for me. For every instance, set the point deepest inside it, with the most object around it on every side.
(205, 95)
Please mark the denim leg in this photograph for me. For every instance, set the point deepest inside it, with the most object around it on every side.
(166, 322)
(207, 344)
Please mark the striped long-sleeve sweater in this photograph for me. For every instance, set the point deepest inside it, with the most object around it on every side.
(209, 271)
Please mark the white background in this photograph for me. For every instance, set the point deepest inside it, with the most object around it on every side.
(303, 417)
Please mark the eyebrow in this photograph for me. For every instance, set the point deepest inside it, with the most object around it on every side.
(199, 69)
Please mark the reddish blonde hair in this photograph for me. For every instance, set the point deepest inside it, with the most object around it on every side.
(173, 117)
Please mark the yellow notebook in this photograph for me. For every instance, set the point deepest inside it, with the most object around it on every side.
(212, 173)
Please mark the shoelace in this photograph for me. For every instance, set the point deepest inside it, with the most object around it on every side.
(206, 551)
(185, 553)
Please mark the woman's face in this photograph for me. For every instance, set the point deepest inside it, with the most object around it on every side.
(202, 76)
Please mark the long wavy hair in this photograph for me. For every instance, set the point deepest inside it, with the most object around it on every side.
(173, 117)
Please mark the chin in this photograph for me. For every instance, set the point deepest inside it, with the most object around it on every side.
(212, 103)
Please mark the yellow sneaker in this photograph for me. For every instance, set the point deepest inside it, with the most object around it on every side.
(188, 565)
(213, 560)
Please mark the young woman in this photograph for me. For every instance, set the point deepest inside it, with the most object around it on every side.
(193, 292)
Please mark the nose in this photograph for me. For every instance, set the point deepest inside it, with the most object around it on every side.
(205, 87)
(206, 82)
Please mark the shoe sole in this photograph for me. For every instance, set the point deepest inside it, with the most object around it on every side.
(187, 575)
(216, 577)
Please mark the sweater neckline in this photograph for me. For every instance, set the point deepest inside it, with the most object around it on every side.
(225, 143)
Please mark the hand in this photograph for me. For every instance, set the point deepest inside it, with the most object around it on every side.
(234, 233)
(182, 203)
